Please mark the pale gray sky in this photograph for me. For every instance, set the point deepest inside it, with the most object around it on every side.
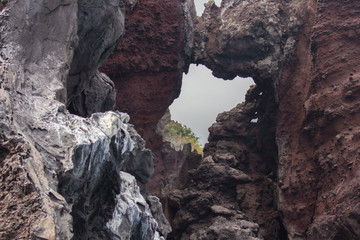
(203, 97)
(199, 5)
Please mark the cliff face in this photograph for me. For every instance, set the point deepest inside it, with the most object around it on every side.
(307, 62)
(62, 175)
(147, 68)
(228, 194)
(294, 138)
(147, 57)
(281, 165)
(317, 128)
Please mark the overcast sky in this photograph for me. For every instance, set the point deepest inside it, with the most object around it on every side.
(203, 97)
(199, 5)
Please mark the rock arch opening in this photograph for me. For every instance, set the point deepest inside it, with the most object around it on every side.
(241, 142)
(203, 97)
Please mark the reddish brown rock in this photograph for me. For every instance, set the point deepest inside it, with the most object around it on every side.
(20, 204)
(235, 176)
(147, 65)
(147, 68)
(302, 152)
(313, 78)
(282, 165)
(318, 124)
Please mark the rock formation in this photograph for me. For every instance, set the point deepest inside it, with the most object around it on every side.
(61, 174)
(302, 149)
(147, 68)
(281, 165)
(237, 166)
(316, 127)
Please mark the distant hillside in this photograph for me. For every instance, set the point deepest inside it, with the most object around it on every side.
(178, 135)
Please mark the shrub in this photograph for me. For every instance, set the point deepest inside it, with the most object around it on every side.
(178, 135)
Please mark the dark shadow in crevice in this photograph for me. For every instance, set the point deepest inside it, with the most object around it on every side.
(3, 154)
(283, 234)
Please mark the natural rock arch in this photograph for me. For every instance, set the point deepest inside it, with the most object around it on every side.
(292, 174)
(276, 43)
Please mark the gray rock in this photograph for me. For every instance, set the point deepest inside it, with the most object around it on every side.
(100, 26)
(156, 209)
(132, 218)
(98, 96)
(221, 174)
(228, 228)
(190, 19)
(139, 161)
(72, 163)
(244, 38)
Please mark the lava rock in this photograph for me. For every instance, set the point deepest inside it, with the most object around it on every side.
(62, 169)
(131, 218)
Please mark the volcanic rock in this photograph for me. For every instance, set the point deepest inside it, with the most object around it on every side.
(232, 178)
(299, 140)
(147, 67)
(281, 165)
(149, 56)
(132, 217)
(317, 127)
(60, 172)
(308, 75)
(90, 53)
(157, 211)
(245, 38)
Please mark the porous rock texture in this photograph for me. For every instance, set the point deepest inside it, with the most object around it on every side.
(234, 182)
(302, 56)
(147, 68)
(281, 165)
(245, 38)
(149, 55)
(239, 171)
(317, 127)
(61, 173)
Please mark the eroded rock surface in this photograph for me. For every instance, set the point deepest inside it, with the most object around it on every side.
(149, 56)
(60, 172)
(245, 38)
(89, 91)
(132, 217)
(147, 68)
(301, 54)
(317, 127)
(232, 182)
(282, 165)
(312, 76)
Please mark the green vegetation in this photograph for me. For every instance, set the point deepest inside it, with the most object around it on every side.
(178, 135)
